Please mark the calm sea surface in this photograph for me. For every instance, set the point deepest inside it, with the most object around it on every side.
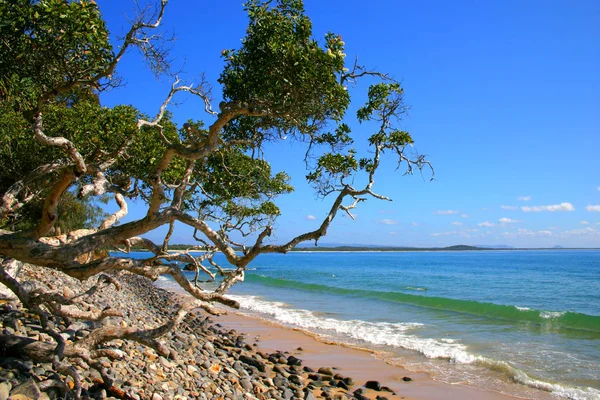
(520, 322)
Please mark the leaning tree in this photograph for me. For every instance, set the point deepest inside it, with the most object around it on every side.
(62, 152)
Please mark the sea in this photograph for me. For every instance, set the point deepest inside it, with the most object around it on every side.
(521, 322)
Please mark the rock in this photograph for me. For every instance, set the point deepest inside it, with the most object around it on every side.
(296, 379)
(374, 385)
(4, 390)
(156, 396)
(294, 361)
(326, 371)
(343, 385)
(28, 388)
(406, 379)
(381, 398)
(309, 396)
(359, 396)
(21, 397)
(260, 365)
(246, 384)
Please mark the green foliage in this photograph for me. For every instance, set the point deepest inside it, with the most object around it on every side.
(47, 45)
(55, 57)
(379, 99)
(282, 70)
(240, 185)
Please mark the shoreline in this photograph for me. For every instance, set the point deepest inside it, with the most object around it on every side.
(360, 363)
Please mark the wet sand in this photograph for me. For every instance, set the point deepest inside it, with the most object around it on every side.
(361, 365)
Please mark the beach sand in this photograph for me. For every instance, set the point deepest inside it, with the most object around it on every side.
(361, 365)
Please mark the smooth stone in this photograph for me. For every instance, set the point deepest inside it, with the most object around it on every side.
(261, 366)
(294, 361)
(407, 379)
(28, 388)
(326, 371)
(343, 385)
(246, 384)
(373, 385)
(309, 396)
(296, 379)
(4, 390)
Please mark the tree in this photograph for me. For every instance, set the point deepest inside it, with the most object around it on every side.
(55, 58)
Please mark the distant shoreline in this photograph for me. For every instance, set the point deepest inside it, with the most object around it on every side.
(365, 249)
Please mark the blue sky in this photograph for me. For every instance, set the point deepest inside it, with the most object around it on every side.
(504, 97)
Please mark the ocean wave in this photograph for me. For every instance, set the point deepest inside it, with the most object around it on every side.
(552, 319)
(401, 335)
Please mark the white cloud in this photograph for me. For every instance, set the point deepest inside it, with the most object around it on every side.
(392, 233)
(456, 223)
(311, 217)
(584, 222)
(509, 207)
(599, 188)
(464, 215)
(524, 198)
(508, 221)
(527, 232)
(465, 233)
(386, 221)
(552, 208)
(486, 224)
(593, 208)
(446, 212)
(582, 232)
(414, 224)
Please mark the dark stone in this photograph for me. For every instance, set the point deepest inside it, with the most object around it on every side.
(373, 385)
(359, 396)
(296, 379)
(387, 389)
(308, 369)
(406, 379)
(314, 377)
(343, 385)
(381, 398)
(348, 381)
(326, 371)
(253, 362)
(294, 361)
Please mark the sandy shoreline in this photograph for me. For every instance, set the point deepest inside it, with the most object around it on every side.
(361, 365)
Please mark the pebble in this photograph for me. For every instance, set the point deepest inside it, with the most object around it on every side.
(205, 361)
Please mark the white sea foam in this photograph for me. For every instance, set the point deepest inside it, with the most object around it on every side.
(399, 335)
(551, 314)
(522, 308)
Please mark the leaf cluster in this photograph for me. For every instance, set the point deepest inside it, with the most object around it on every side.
(282, 71)
(48, 46)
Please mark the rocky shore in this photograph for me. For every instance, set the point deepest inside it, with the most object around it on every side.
(204, 361)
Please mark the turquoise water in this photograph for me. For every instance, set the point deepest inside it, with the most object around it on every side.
(522, 322)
